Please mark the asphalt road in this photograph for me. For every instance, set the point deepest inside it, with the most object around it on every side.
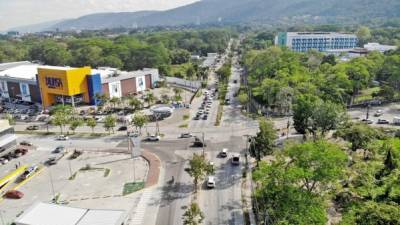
(223, 204)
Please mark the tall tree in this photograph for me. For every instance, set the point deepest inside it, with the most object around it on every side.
(263, 143)
(199, 168)
(91, 122)
(110, 123)
(139, 120)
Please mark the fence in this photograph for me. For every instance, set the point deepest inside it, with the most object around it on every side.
(187, 84)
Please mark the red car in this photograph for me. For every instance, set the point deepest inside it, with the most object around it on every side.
(14, 194)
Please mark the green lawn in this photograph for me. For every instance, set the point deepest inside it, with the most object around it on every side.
(132, 187)
(366, 94)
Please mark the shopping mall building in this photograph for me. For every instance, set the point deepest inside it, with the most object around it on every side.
(50, 85)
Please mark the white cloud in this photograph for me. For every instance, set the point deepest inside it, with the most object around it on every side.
(26, 12)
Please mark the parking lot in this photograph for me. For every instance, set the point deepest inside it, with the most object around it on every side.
(71, 182)
(388, 113)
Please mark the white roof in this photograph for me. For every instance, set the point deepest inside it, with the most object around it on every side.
(57, 67)
(5, 66)
(51, 214)
(22, 72)
(101, 217)
(106, 74)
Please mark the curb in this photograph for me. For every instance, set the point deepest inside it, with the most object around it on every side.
(154, 168)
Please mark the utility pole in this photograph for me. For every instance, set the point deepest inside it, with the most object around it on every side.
(52, 185)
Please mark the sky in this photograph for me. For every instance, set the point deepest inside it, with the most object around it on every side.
(14, 13)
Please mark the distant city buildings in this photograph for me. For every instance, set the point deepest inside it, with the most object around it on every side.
(321, 41)
(49, 85)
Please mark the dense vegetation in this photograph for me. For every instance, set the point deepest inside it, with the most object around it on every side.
(341, 171)
(279, 77)
(128, 52)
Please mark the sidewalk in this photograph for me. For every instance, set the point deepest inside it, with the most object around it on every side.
(247, 187)
(154, 168)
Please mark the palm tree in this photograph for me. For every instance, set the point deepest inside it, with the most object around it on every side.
(135, 103)
(114, 101)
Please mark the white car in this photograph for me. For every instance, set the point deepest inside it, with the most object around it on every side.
(224, 153)
(235, 159)
(153, 138)
(211, 182)
(62, 138)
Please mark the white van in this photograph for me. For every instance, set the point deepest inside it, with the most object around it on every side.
(235, 159)
(211, 182)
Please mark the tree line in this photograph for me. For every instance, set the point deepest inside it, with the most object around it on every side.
(128, 52)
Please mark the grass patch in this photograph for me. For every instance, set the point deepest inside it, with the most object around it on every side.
(132, 187)
(219, 115)
(366, 94)
(184, 125)
(199, 94)
(186, 117)
(107, 172)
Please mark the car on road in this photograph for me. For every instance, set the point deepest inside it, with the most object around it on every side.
(211, 182)
(59, 149)
(3, 161)
(223, 153)
(33, 127)
(235, 159)
(197, 117)
(205, 117)
(367, 121)
(198, 143)
(382, 121)
(21, 151)
(186, 135)
(153, 138)
(29, 172)
(25, 143)
(62, 137)
(122, 128)
(14, 194)
(378, 113)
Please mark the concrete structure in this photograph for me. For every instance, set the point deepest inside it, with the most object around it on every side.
(116, 83)
(50, 85)
(321, 41)
(8, 139)
(378, 47)
(51, 214)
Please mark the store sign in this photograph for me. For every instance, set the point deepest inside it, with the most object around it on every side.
(52, 82)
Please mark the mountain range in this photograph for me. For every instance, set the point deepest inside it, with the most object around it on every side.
(242, 12)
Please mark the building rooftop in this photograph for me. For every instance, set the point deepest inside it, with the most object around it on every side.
(9, 65)
(28, 71)
(320, 33)
(50, 214)
(64, 68)
(109, 75)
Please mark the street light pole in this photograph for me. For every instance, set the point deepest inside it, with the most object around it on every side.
(52, 185)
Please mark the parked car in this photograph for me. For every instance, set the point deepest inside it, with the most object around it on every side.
(3, 161)
(29, 172)
(186, 135)
(14, 194)
(153, 138)
(21, 151)
(59, 149)
(210, 181)
(51, 161)
(33, 127)
(2, 149)
(62, 137)
(25, 143)
(76, 154)
(223, 153)
(367, 121)
(382, 121)
(378, 113)
(122, 128)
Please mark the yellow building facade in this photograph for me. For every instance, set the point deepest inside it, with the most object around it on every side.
(63, 85)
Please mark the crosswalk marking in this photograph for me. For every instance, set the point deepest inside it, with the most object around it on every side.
(137, 218)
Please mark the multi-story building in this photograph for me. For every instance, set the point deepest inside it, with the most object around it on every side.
(49, 85)
(321, 41)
